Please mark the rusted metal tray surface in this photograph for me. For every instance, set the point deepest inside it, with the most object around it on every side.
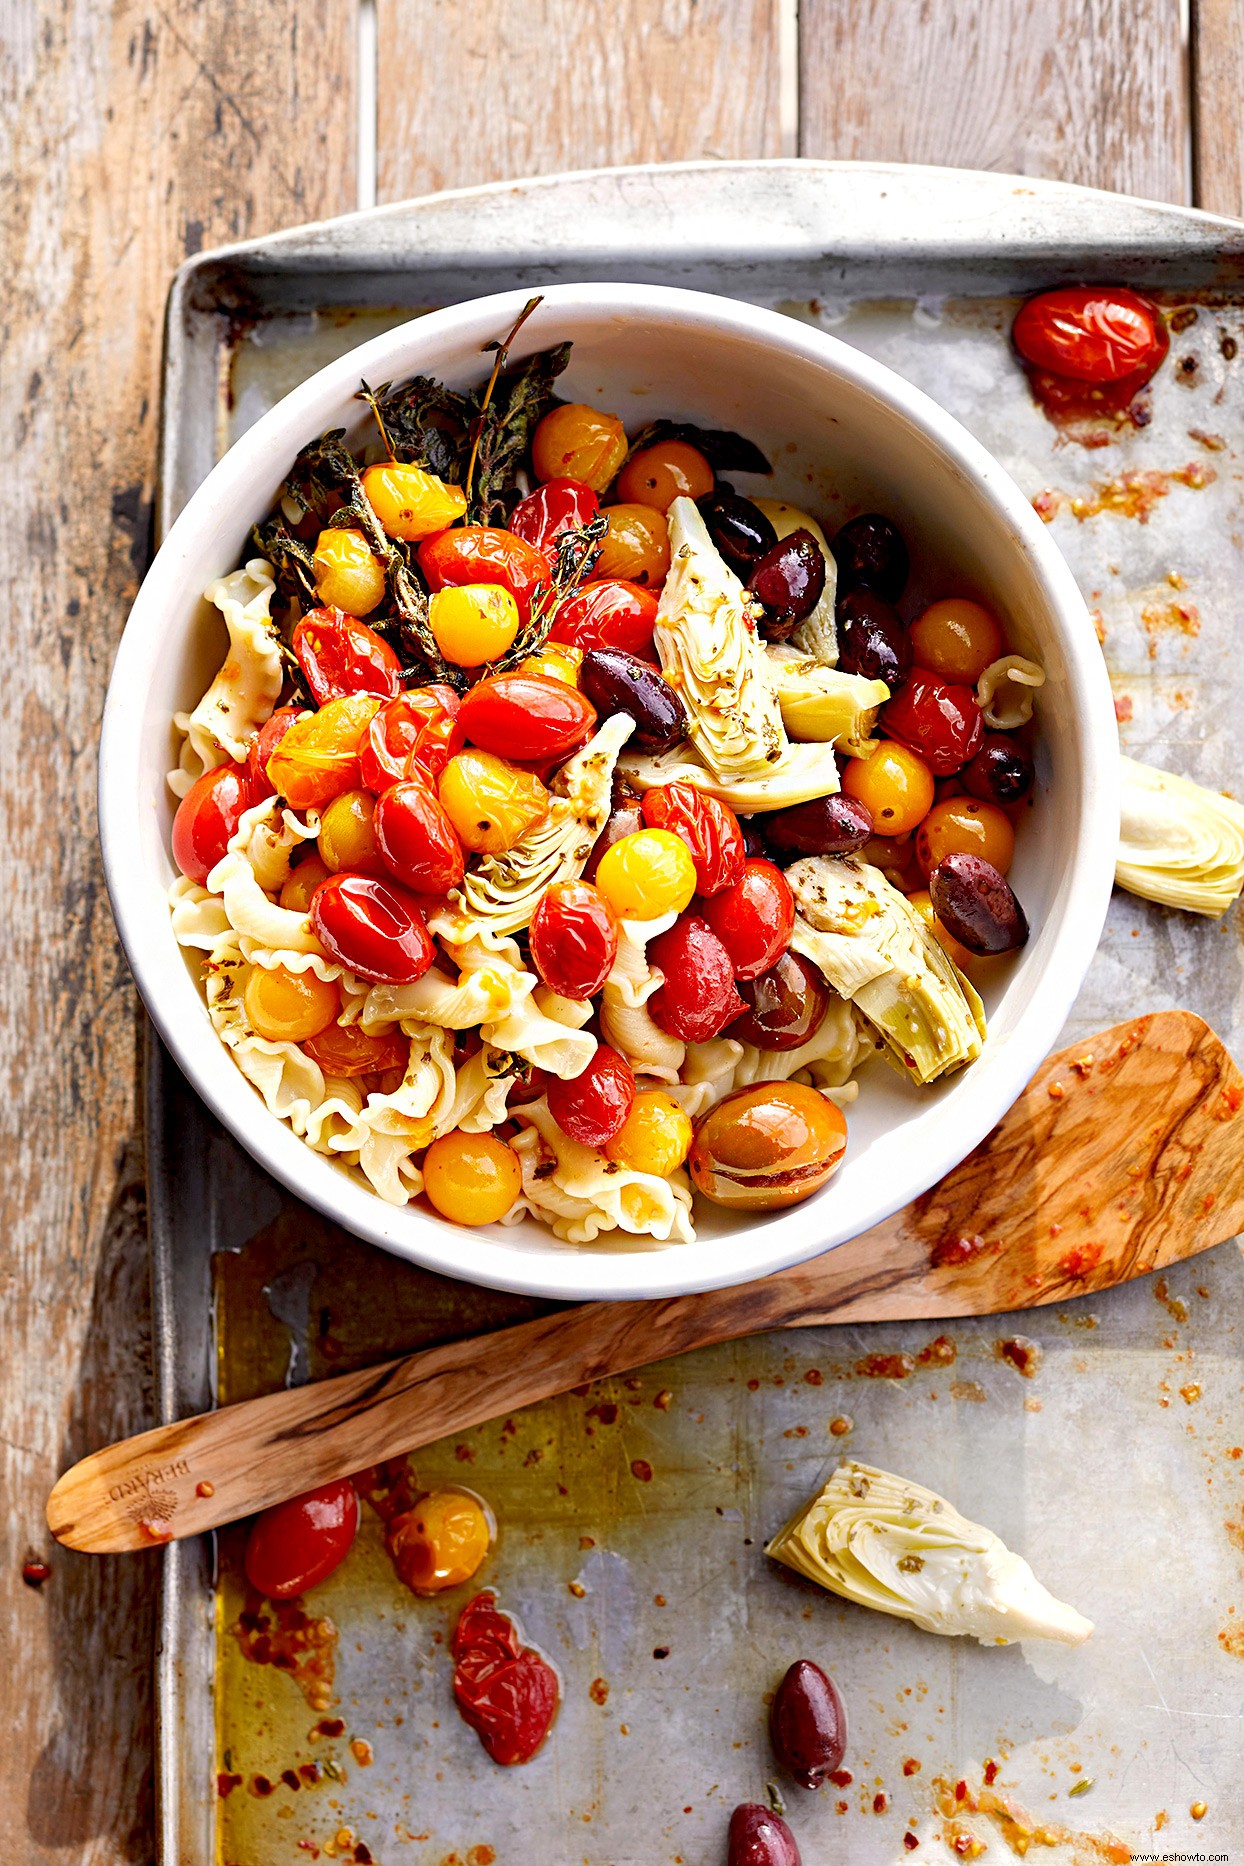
(632, 1517)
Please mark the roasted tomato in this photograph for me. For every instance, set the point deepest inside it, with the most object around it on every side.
(345, 1050)
(264, 744)
(417, 839)
(505, 1691)
(1094, 333)
(607, 615)
(753, 918)
(593, 1106)
(208, 816)
(416, 731)
(709, 829)
(442, 1541)
(698, 996)
(559, 506)
(338, 654)
(526, 716)
(318, 757)
(937, 718)
(373, 928)
(296, 1545)
(573, 939)
(484, 554)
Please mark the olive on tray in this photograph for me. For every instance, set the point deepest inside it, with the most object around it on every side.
(808, 1725)
(767, 1146)
(823, 826)
(870, 553)
(616, 682)
(871, 639)
(977, 905)
(758, 1837)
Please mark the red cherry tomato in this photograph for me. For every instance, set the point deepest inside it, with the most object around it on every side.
(754, 918)
(484, 554)
(294, 1546)
(698, 997)
(528, 716)
(560, 505)
(937, 718)
(264, 744)
(416, 732)
(506, 1692)
(338, 655)
(207, 817)
(573, 939)
(607, 615)
(372, 927)
(710, 830)
(1094, 333)
(417, 839)
(595, 1105)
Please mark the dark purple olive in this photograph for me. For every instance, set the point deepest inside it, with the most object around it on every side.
(871, 639)
(1000, 772)
(617, 682)
(825, 826)
(754, 843)
(738, 528)
(789, 580)
(870, 554)
(977, 905)
(625, 817)
(760, 1838)
(784, 1005)
(808, 1725)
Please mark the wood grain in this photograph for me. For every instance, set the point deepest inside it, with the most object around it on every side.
(482, 90)
(1122, 1156)
(129, 137)
(1218, 105)
(1090, 91)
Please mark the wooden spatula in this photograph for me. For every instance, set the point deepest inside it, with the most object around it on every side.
(1122, 1156)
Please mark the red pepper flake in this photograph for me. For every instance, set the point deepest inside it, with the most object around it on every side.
(814, 1377)
(663, 1400)
(840, 1807)
(961, 1791)
(753, 1385)
(1021, 1353)
(886, 1367)
(329, 1727)
(362, 1854)
(956, 1250)
(880, 1803)
(1080, 1259)
(991, 1772)
(660, 1652)
(842, 1778)
(911, 1766)
(310, 1773)
(361, 1751)
(641, 1470)
(940, 1352)
(795, 1431)
(605, 1411)
(911, 1841)
(35, 1573)
(290, 1779)
(598, 1691)
(226, 1783)
(204, 1488)
(261, 1787)
(839, 1427)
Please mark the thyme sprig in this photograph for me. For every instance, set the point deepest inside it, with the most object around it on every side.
(577, 551)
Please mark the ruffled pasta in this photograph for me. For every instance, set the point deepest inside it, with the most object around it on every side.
(581, 1195)
(248, 684)
(1005, 691)
(624, 1019)
(827, 1061)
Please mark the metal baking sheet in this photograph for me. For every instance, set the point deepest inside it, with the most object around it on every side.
(633, 1515)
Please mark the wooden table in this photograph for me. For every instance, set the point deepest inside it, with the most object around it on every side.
(133, 137)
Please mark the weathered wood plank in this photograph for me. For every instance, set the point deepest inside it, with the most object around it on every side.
(1218, 105)
(129, 137)
(480, 90)
(1090, 91)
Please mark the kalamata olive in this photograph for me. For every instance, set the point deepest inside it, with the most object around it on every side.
(616, 682)
(808, 1724)
(767, 1146)
(871, 639)
(824, 826)
(738, 528)
(870, 553)
(758, 1837)
(977, 905)
(625, 817)
(753, 840)
(784, 1005)
(1001, 771)
(789, 580)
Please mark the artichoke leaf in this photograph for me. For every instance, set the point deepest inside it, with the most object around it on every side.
(892, 1545)
(1179, 844)
(817, 634)
(875, 950)
(819, 703)
(804, 772)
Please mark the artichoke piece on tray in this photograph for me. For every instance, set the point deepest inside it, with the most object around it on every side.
(892, 1545)
(819, 703)
(874, 948)
(1179, 844)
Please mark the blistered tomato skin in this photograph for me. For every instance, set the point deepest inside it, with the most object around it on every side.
(939, 719)
(754, 918)
(593, 1106)
(669, 470)
(440, 1543)
(1001, 772)
(608, 614)
(710, 830)
(808, 1725)
(578, 442)
(373, 928)
(418, 731)
(417, 839)
(977, 905)
(573, 939)
(264, 744)
(870, 554)
(767, 1147)
(758, 1837)
(698, 997)
(490, 803)
(506, 1692)
(485, 554)
(526, 716)
(338, 655)
(295, 1545)
(409, 502)
(1092, 333)
(871, 639)
(956, 638)
(318, 757)
(823, 826)
(635, 548)
(621, 683)
(785, 1005)
(208, 816)
(559, 506)
(345, 1050)
(347, 575)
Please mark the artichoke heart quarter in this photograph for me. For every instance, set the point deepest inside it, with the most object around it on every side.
(818, 702)
(892, 1545)
(875, 950)
(1179, 844)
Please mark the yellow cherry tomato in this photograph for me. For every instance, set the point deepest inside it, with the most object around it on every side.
(557, 660)
(635, 548)
(347, 838)
(318, 757)
(956, 638)
(895, 856)
(655, 1137)
(670, 470)
(578, 442)
(962, 826)
(957, 954)
(411, 503)
(288, 1007)
(894, 784)
(347, 575)
(473, 622)
(441, 1542)
(303, 881)
(490, 803)
(471, 1179)
(647, 873)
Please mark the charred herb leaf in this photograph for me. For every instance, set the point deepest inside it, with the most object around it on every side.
(505, 428)
(577, 551)
(290, 558)
(425, 425)
(725, 451)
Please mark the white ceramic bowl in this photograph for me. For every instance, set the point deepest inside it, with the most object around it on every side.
(845, 434)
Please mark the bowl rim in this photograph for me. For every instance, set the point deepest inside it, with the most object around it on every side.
(596, 1271)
